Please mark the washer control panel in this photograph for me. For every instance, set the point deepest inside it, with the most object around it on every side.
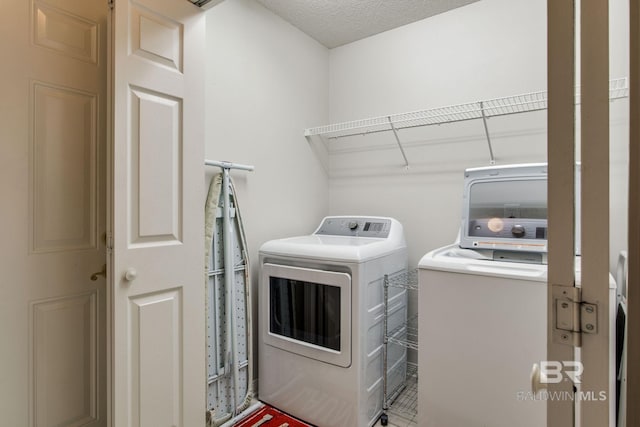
(508, 228)
(355, 226)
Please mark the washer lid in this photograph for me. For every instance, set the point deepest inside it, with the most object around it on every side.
(455, 259)
(452, 258)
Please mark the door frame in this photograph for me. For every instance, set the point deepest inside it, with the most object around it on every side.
(561, 185)
(109, 218)
(594, 207)
(633, 280)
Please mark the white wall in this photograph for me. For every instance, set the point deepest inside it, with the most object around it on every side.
(488, 49)
(266, 82)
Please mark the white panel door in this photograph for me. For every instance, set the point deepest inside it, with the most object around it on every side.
(52, 182)
(158, 335)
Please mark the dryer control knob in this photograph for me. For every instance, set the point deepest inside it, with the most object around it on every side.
(518, 230)
(353, 225)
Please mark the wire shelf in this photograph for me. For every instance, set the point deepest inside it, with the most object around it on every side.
(407, 280)
(534, 101)
(406, 334)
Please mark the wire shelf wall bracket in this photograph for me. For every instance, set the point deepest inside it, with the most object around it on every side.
(480, 110)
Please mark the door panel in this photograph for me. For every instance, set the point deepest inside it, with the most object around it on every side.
(156, 191)
(52, 181)
(157, 38)
(157, 214)
(155, 322)
(65, 32)
(65, 357)
(63, 169)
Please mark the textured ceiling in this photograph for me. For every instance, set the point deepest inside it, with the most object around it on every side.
(337, 22)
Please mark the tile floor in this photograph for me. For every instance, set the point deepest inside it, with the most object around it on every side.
(404, 410)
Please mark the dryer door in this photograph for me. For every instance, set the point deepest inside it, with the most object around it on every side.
(307, 312)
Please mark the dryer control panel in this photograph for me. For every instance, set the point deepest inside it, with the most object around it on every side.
(356, 226)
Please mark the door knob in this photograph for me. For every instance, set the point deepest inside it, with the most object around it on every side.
(538, 379)
(102, 273)
(130, 275)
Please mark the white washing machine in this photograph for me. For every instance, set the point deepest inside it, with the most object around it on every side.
(321, 319)
(482, 305)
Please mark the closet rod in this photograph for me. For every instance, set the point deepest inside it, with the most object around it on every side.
(228, 165)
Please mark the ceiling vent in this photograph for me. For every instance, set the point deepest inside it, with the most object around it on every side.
(206, 4)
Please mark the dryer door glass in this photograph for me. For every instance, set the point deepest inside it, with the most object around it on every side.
(305, 311)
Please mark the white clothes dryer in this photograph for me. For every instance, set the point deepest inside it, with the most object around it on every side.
(321, 320)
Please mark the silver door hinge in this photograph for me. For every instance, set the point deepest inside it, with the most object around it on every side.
(110, 4)
(571, 316)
